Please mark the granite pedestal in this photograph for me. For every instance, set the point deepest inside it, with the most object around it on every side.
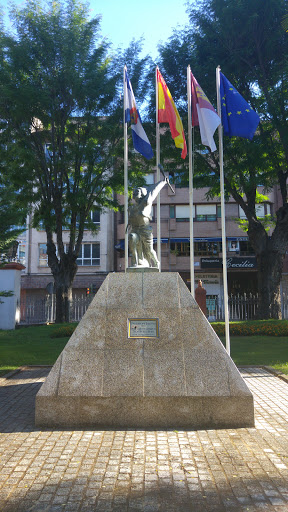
(182, 378)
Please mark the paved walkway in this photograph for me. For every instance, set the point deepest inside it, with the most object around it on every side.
(200, 471)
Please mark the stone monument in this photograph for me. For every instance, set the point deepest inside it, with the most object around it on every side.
(144, 356)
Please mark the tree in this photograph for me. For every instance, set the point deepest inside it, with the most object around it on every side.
(61, 126)
(13, 218)
(12, 224)
(245, 37)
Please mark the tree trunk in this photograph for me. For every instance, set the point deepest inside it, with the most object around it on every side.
(270, 265)
(63, 301)
(63, 280)
(270, 252)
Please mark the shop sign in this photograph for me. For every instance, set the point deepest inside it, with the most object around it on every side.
(232, 263)
(207, 279)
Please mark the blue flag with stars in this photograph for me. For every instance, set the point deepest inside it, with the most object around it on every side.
(238, 118)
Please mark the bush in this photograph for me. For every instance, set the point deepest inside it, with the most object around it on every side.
(63, 331)
(253, 328)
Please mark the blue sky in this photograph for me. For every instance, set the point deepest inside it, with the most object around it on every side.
(123, 21)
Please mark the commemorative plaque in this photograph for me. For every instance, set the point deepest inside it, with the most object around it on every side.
(143, 328)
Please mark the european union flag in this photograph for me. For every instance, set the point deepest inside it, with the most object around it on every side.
(238, 118)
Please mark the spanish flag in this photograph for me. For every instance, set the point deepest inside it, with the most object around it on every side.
(168, 113)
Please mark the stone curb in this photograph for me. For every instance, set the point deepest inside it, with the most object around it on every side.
(269, 369)
(20, 369)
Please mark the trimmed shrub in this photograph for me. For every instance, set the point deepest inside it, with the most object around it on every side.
(63, 331)
(253, 328)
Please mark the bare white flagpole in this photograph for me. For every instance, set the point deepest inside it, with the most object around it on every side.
(222, 193)
(191, 161)
(125, 172)
(158, 175)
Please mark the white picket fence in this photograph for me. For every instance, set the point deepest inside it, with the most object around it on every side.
(41, 311)
(241, 307)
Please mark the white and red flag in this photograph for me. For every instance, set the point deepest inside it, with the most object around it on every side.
(203, 114)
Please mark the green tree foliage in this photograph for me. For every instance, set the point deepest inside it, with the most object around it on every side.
(244, 38)
(61, 125)
(12, 219)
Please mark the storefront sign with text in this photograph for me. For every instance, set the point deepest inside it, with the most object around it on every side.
(232, 263)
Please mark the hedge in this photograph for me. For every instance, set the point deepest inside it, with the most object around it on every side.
(63, 331)
(251, 328)
(248, 328)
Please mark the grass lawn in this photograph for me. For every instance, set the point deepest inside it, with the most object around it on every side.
(260, 350)
(33, 346)
(29, 346)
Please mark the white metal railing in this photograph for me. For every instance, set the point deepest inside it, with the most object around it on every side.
(41, 311)
(241, 307)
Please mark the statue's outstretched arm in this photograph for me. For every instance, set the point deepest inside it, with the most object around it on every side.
(155, 189)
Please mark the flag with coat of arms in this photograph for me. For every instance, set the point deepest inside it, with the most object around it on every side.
(203, 114)
(139, 137)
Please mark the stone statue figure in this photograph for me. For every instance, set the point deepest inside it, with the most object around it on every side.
(140, 231)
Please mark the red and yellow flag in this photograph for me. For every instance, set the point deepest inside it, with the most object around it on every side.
(168, 113)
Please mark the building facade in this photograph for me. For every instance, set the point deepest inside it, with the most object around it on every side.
(95, 261)
(175, 241)
(103, 252)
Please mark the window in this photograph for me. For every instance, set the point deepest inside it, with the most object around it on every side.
(43, 257)
(205, 212)
(201, 212)
(179, 179)
(240, 247)
(261, 210)
(121, 217)
(89, 255)
(181, 212)
(233, 246)
(207, 248)
(21, 252)
(180, 248)
(95, 216)
(245, 248)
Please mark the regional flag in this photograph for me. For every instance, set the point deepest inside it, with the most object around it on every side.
(238, 118)
(139, 137)
(203, 114)
(168, 113)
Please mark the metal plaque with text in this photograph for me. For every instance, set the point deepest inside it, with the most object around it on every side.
(143, 328)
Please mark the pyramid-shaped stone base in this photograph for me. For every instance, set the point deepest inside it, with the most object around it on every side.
(180, 376)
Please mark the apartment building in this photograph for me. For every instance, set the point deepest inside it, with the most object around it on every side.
(175, 241)
(104, 252)
(95, 261)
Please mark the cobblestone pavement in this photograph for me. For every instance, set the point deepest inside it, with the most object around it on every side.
(200, 471)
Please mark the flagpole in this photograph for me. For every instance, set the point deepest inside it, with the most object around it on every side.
(191, 169)
(222, 193)
(125, 173)
(158, 175)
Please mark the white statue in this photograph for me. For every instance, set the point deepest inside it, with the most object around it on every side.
(140, 230)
